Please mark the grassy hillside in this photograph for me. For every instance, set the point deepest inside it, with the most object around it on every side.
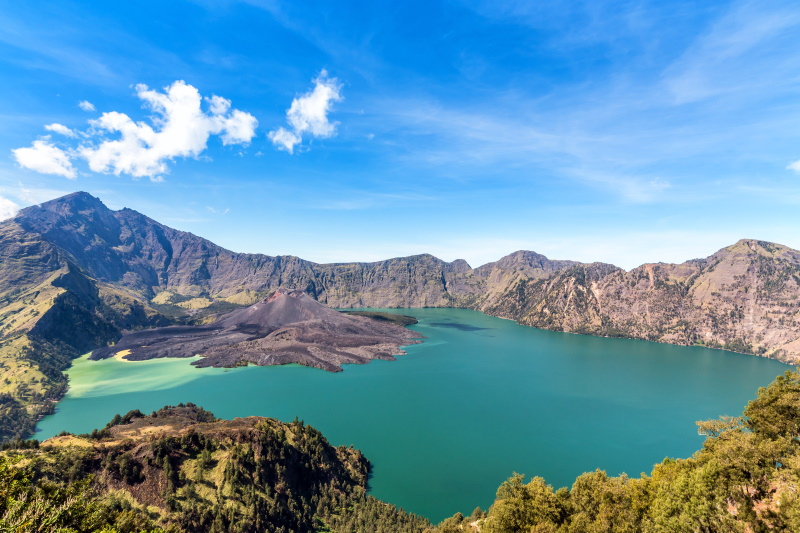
(51, 311)
(181, 469)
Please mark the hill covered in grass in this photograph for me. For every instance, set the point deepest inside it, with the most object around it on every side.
(181, 469)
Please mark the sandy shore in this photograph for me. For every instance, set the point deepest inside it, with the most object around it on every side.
(120, 356)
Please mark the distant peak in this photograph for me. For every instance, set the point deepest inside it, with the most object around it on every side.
(285, 293)
(78, 194)
(77, 199)
(755, 246)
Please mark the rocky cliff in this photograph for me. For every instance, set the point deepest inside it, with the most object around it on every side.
(745, 298)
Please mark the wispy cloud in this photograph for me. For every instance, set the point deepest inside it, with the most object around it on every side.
(86, 105)
(180, 128)
(60, 129)
(34, 195)
(38, 51)
(715, 101)
(216, 211)
(739, 53)
(308, 115)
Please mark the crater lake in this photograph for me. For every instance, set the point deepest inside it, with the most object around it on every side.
(479, 399)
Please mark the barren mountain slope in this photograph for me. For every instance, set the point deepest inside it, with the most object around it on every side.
(287, 327)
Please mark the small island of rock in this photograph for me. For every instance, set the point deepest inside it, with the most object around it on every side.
(287, 327)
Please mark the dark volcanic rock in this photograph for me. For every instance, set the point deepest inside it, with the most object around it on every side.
(287, 327)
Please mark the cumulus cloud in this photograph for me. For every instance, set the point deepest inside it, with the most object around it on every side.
(86, 105)
(182, 122)
(7, 208)
(181, 129)
(794, 166)
(45, 157)
(60, 129)
(309, 114)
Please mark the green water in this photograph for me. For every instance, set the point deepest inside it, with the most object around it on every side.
(480, 399)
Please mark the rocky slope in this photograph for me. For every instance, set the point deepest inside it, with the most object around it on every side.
(745, 298)
(74, 275)
(287, 327)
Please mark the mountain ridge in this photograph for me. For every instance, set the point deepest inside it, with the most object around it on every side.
(75, 275)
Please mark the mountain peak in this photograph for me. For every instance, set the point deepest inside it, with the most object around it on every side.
(285, 293)
(755, 246)
(79, 200)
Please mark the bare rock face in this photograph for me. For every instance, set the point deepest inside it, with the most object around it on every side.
(287, 327)
(745, 298)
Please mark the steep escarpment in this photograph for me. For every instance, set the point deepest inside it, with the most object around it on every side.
(132, 251)
(745, 298)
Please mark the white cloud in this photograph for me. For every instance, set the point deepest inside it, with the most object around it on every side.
(7, 208)
(45, 157)
(794, 166)
(60, 129)
(181, 123)
(180, 129)
(284, 139)
(309, 114)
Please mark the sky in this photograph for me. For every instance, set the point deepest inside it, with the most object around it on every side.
(623, 132)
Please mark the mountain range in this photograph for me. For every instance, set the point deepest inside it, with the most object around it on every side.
(75, 275)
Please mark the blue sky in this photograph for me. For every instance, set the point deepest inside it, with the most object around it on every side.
(624, 132)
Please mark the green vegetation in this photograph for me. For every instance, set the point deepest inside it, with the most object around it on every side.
(44, 327)
(400, 320)
(182, 470)
(183, 309)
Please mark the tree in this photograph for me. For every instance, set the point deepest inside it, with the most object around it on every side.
(521, 507)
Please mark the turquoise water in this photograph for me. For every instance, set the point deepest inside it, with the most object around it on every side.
(480, 399)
